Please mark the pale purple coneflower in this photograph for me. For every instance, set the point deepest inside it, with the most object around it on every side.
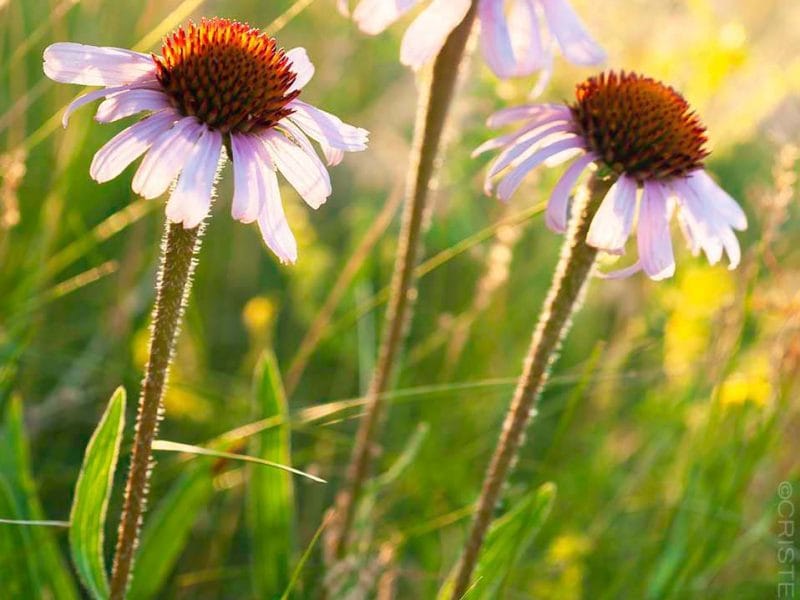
(638, 133)
(647, 136)
(518, 38)
(219, 83)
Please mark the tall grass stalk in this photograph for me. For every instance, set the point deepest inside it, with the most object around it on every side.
(565, 296)
(178, 251)
(434, 105)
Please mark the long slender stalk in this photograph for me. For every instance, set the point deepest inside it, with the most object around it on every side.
(432, 113)
(565, 295)
(178, 251)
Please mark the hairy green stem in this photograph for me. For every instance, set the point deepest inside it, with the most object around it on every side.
(434, 105)
(565, 295)
(178, 250)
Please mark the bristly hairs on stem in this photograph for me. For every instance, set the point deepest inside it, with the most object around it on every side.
(564, 298)
(434, 104)
(179, 248)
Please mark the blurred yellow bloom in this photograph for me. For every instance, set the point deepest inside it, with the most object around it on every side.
(564, 567)
(258, 315)
(752, 384)
(701, 292)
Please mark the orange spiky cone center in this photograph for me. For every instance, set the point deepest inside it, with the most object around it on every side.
(638, 126)
(227, 74)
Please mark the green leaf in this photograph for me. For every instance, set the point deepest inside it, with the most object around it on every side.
(39, 563)
(508, 539)
(90, 504)
(168, 528)
(270, 493)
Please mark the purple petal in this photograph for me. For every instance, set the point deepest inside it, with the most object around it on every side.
(129, 102)
(612, 224)
(558, 207)
(708, 191)
(271, 219)
(327, 128)
(620, 273)
(655, 245)
(166, 158)
(129, 144)
(373, 16)
(247, 194)
(302, 168)
(67, 62)
(427, 34)
(511, 155)
(510, 183)
(527, 111)
(191, 197)
(510, 138)
(575, 42)
(301, 66)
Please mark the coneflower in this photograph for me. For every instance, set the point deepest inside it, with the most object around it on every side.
(634, 133)
(517, 38)
(219, 83)
(215, 84)
(647, 137)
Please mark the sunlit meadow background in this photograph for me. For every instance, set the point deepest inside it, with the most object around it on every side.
(672, 416)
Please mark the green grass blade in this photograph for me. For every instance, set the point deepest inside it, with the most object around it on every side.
(92, 492)
(21, 507)
(168, 446)
(304, 559)
(17, 570)
(507, 540)
(168, 528)
(270, 493)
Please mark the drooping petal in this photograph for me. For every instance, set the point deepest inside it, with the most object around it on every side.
(67, 62)
(611, 226)
(427, 34)
(512, 46)
(129, 144)
(575, 42)
(166, 158)
(526, 111)
(90, 97)
(708, 191)
(495, 38)
(510, 183)
(516, 152)
(653, 236)
(129, 102)
(333, 156)
(620, 273)
(327, 128)
(191, 197)
(302, 169)
(523, 26)
(515, 136)
(247, 194)
(271, 219)
(703, 227)
(301, 66)
(557, 212)
(373, 16)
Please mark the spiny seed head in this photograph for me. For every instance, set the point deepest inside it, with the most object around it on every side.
(227, 74)
(639, 126)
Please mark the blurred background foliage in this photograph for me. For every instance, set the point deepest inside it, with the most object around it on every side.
(672, 416)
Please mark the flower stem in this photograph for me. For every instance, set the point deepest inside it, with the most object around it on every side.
(178, 250)
(565, 295)
(432, 111)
